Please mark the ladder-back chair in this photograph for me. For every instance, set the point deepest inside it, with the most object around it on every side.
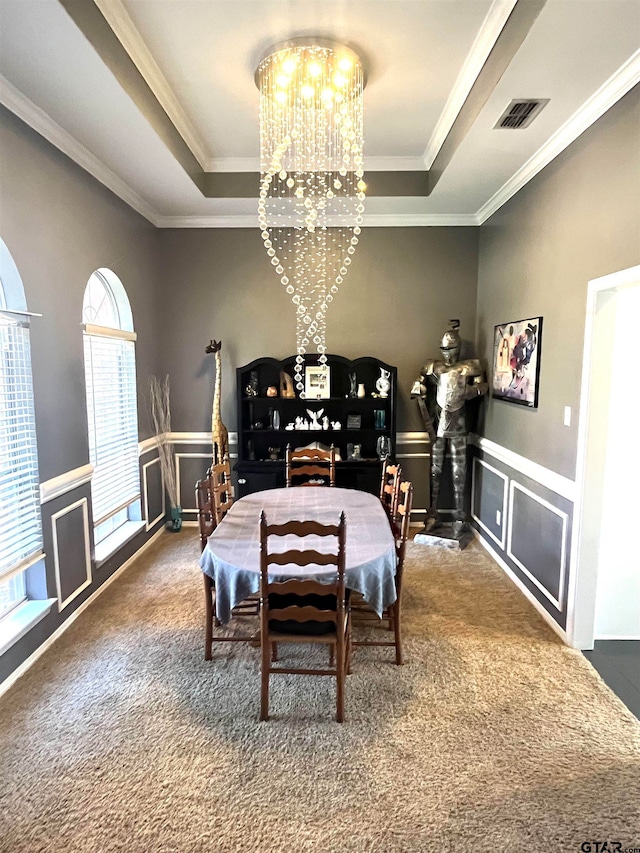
(311, 466)
(393, 614)
(390, 490)
(221, 489)
(316, 603)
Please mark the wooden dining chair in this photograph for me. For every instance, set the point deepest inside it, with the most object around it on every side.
(208, 520)
(392, 615)
(308, 604)
(311, 466)
(221, 489)
(390, 490)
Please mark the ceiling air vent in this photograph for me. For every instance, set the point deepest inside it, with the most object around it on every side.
(520, 113)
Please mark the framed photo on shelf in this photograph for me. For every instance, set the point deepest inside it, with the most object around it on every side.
(516, 361)
(317, 382)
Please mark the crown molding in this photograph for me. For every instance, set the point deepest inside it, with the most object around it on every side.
(43, 124)
(491, 28)
(377, 220)
(624, 79)
(127, 34)
(372, 164)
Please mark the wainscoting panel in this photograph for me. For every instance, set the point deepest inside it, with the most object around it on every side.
(537, 541)
(190, 467)
(489, 500)
(533, 541)
(153, 496)
(71, 551)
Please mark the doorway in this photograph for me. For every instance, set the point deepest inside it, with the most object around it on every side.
(604, 592)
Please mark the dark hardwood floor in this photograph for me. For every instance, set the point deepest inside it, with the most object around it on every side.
(618, 662)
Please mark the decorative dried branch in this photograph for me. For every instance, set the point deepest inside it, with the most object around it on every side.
(161, 420)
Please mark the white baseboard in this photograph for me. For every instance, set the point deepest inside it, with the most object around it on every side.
(616, 637)
(548, 618)
(10, 680)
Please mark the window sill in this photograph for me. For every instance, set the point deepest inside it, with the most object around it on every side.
(116, 540)
(22, 619)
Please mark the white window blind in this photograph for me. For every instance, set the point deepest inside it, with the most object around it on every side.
(110, 372)
(21, 528)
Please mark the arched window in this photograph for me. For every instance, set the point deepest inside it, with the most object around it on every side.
(112, 410)
(21, 527)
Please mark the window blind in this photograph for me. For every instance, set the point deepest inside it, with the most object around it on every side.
(112, 411)
(21, 528)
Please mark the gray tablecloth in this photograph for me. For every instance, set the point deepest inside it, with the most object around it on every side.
(232, 555)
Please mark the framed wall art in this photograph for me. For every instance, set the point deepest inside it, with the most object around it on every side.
(317, 382)
(516, 361)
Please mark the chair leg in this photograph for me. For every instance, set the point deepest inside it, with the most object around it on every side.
(340, 673)
(208, 608)
(264, 680)
(398, 632)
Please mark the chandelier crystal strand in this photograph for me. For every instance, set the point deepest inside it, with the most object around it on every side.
(312, 189)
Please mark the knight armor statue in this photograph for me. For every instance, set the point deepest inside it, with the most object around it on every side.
(442, 390)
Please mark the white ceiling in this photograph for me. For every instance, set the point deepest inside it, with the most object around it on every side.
(423, 56)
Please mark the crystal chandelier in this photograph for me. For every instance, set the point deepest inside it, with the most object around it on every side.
(312, 186)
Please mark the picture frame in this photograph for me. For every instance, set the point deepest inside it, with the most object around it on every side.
(516, 361)
(317, 382)
(354, 421)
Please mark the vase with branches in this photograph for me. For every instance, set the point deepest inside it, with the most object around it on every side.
(161, 420)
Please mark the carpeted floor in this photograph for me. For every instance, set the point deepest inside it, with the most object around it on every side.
(493, 736)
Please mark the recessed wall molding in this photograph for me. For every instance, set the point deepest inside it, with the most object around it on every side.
(412, 438)
(503, 510)
(83, 506)
(145, 492)
(558, 602)
(64, 483)
(624, 79)
(556, 482)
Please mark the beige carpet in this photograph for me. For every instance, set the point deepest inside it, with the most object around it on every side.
(493, 736)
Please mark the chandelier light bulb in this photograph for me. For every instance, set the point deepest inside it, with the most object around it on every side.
(311, 187)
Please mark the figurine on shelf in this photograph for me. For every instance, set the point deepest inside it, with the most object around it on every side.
(290, 426)
(354, 452)
(361, 390)
(274, 454)
(251, 390)
(336, 425)
(383, 447)
(325, 422)
(272, 391)
(383, 383)
(353, 385)
(315, 418)
(299, 423)
(286, 385)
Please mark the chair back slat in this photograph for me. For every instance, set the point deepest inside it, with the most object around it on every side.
(303, 528)
(301, 558)
(308, 463)
(301, 614)
(303, 586)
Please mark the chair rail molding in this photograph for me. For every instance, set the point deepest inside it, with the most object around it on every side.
(64, 483)
(559, 484)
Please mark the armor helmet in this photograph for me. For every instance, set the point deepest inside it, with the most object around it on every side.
(451, 343)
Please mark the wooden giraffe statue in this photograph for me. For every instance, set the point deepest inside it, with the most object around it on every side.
(219, 433)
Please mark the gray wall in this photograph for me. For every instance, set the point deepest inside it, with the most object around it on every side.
(60, 225)
(577, 220)
(402, 287)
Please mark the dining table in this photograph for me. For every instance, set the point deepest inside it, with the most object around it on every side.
(232, 554)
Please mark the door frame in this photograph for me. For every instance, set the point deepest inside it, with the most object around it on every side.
(590, 454)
